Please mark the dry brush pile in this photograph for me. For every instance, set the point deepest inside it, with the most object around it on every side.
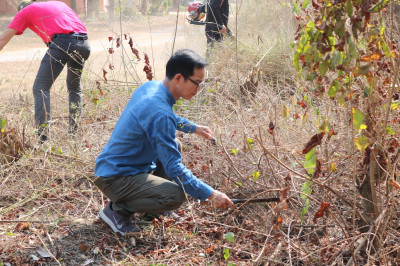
(268, 135)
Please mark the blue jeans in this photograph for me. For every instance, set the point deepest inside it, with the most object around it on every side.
(61, 52)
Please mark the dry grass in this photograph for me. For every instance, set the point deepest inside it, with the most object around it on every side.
(48, 198)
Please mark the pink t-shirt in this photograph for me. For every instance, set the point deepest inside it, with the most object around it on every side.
(47, 19)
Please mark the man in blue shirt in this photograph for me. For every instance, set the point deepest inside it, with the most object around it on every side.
(145, 133)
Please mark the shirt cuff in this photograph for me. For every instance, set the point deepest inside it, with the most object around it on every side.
(206, 193)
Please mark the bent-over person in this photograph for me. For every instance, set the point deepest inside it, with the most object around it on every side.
(127, 170)
(66, 37)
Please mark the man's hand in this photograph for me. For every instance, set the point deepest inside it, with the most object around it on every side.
(220, 200)
(204, 131)
(223, 30)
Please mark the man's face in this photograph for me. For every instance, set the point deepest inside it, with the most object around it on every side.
(193, 84)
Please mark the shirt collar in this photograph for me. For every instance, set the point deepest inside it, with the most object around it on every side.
(170, 98)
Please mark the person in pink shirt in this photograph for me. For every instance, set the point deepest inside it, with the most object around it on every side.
(66, 37)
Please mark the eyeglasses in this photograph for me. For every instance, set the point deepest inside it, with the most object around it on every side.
(199, 85)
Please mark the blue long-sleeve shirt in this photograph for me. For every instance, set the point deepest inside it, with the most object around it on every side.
(146, 132)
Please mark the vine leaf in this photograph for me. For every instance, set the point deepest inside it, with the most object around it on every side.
(118, 42)
(358, 119)
(313, 142)
(317, 171)
(99, 88)
(104, 75)
(362, 142)
(285, 111)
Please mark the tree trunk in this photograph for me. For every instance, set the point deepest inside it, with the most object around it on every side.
(73, 6)
(175, 3)
(110, 10)
(144, 7)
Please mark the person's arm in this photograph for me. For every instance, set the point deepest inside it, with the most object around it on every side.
(162, 135)
(6, 37)
(185, 125)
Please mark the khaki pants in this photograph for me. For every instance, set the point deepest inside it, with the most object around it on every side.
(143, 192)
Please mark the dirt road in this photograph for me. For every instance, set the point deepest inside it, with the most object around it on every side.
(20, 59)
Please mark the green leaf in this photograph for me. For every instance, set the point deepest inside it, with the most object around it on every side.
(255, 175)
(323, 68)
(296, 61)
(339, 29)
(306, 3)
(352, 49)
(349, 8)
(306, 191)
(250, 142)
(304, 210)
(366, 91)
(302, 43)
(285, 111)
(9, 234)
(358, 118)
(235, 151)
(390, 131)
(362, 142)
(334, 88)
(385, 48)
(3, 124)
(238, 184)
(310, 159)
(226, 253)
(230, 237)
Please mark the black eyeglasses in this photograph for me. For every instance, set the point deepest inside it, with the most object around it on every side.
(199, 85)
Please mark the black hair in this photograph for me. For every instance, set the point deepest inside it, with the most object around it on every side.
(184, 61)
(24, 4)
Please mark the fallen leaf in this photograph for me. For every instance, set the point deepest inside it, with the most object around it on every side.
(394, 183)
(83, 247)
(321, 211)
(371, 58)
(96, 250)
(43, 252)
(210, 249)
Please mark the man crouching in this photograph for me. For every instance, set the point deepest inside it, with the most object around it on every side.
(140, 169)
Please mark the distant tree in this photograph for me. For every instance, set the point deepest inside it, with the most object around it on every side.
(110, 10)
(144, 7)
(73, 5)
(175, 3)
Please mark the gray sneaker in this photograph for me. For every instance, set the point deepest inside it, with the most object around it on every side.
(117, 222)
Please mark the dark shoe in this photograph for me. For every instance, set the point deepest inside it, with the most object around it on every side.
(118, 223)
(42, 138)
(42, 133)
